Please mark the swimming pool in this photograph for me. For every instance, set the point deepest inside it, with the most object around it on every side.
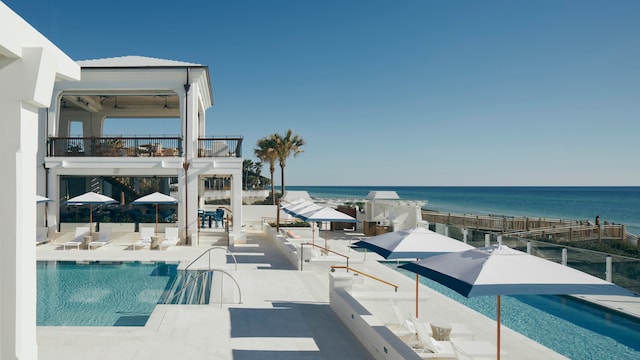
(100, 293)
(570, 327)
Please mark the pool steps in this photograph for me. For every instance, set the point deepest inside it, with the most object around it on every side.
(190, 287)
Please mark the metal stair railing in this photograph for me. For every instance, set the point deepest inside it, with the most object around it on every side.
(208, 251)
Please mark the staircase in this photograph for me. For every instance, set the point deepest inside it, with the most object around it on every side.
(191, 287)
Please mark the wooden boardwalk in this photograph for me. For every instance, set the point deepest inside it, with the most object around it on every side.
(526, 227)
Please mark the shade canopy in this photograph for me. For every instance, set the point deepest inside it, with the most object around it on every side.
(501, 270)
(155, 198)
(42, 199)
(325, 214)
(414, 243)
(298, 207)
(91, 198)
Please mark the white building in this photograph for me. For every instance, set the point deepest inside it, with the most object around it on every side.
(79, 156)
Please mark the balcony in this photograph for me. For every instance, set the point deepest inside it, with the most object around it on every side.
(140, 147)
(220, 147)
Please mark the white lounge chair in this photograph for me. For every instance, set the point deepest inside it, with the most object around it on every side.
(403, 326)
(42, 235)
(145, 237)
(78, 239)
(104, 237)
(426, 346)
(171, 237)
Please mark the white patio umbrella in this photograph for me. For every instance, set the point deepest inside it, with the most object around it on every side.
(299, 206)
(414, 243)
(500, 270)
(325, 213)
(155, 198)
(91, 198)
(41, 199)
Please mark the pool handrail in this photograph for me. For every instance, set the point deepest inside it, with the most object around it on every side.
(202, 274)
(208, 251)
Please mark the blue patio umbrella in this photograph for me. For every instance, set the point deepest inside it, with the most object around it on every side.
(413, 243)
(500, 270)
(328, 214)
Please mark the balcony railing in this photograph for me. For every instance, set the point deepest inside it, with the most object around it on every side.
(220, 147)
(115, 146)
(135, 146)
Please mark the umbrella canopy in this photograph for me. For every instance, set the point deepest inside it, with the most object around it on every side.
(416, 243)
(91, 198)
(42, 199)
(324, 213)
(155, 198)
(500, 270)
(300, 206)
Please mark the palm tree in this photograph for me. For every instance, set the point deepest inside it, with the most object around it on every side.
(247, 167)
(285, 146)
(266, 152)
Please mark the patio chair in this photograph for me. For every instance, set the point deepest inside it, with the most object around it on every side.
(426, 345)
(145, 237)
(104, 237)
(171, 237)
(402, 327)
(42, 235)
(78, 239)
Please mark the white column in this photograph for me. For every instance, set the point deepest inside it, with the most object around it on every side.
(27, 75)
(236, 206)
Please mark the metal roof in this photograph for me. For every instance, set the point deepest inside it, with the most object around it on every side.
(133, 61)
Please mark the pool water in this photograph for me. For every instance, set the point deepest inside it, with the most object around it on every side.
(571, 327)
(100, 293)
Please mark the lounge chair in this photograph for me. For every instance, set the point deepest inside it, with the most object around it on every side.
(78, 239)
(104, 237)
(145, 237)
(42, 235)
(171, 237)
(403, 326)
(426, 346)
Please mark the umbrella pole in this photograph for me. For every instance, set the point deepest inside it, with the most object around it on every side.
(498, 321)
(325, 239)
(156, 218)
(416, 295)
(90, 219)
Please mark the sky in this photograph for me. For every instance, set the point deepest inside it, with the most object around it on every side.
(397, 93)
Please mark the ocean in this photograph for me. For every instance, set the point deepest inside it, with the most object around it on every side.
(618, 204)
